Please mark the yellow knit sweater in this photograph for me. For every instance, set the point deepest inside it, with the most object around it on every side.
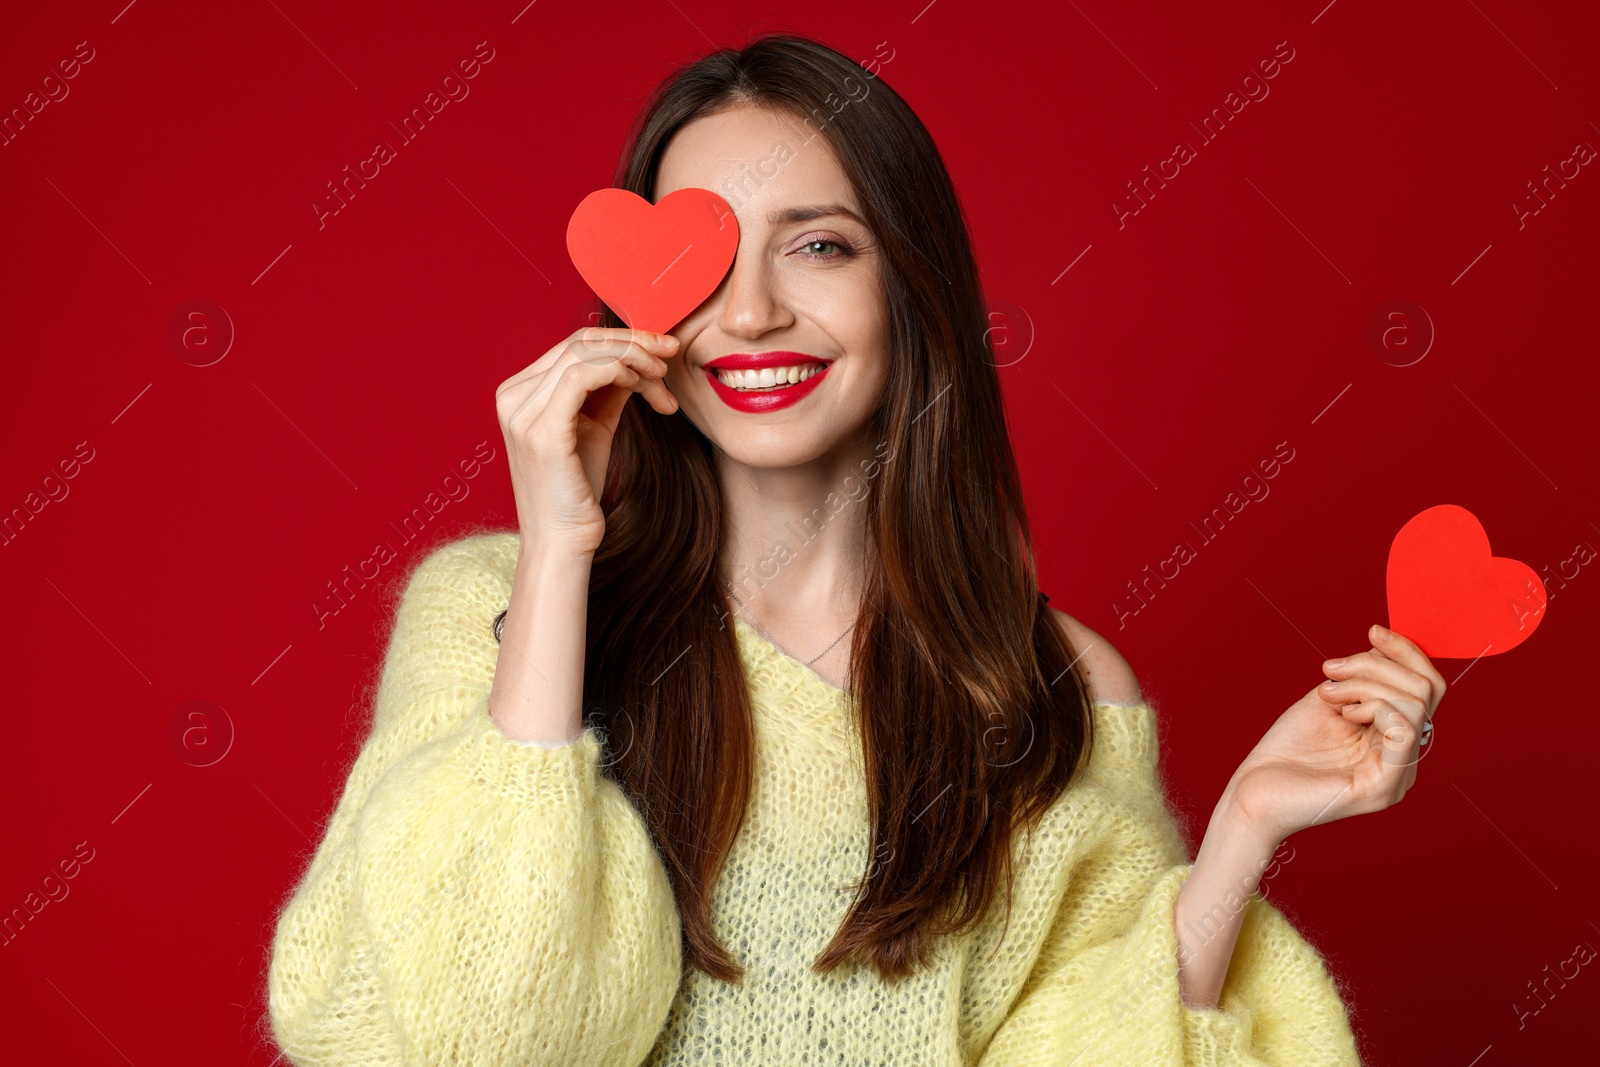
(476, 900)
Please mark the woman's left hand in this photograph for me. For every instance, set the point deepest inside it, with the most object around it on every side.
(1349, 746)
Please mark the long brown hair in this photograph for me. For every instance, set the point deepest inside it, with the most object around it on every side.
(968, 728)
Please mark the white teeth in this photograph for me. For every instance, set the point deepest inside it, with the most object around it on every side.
(766, 377)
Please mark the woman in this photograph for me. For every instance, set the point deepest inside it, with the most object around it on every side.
(941, 841)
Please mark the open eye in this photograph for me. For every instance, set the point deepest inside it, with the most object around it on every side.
(840, 250)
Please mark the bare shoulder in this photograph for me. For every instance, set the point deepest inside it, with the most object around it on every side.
(1111, 679)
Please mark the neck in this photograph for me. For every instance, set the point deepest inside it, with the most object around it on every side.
(793, 548)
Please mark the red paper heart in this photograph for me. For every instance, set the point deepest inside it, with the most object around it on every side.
(653, 263)
(1450, 596)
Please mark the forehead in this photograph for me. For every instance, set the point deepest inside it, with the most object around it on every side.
(757, 159)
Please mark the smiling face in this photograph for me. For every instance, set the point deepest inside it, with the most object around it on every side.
(806, 280)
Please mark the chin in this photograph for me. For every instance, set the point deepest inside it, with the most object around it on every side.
(764, 449)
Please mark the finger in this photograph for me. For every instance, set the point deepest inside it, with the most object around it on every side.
(648, 371)
(658, 396)
(650, 381)
(1402, 649)
(1402, 750)
(1374, 665)
(644, 355)
(1400, 738)
(586, 388)
(1360, 712)
(613, 349)
(586, 341)
(572, 392)
(1367, 690)
(595, 338)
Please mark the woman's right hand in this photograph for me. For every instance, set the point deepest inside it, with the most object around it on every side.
(559, 415)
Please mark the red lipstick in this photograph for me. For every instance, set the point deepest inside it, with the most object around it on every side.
(757, 401)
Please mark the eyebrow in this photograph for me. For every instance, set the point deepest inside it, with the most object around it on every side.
(808, 212)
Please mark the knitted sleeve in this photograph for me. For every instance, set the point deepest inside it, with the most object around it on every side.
(1104, 989)
(473, 899)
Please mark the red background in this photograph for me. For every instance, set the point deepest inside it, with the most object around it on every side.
(1179, 350)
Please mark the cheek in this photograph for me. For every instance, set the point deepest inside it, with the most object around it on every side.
(851, 310)
(869, 335)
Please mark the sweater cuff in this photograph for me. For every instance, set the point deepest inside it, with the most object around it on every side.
(529, 773)
(1219, 1035)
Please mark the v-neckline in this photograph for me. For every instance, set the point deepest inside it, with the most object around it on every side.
(787, 663)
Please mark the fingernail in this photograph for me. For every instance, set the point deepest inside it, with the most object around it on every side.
(1380, 633)
(1330, 684)
(666, 340)
(1334, 664)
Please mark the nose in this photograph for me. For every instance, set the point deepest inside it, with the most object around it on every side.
(751, 304)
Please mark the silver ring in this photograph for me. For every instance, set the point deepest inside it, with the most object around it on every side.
(1427, 732)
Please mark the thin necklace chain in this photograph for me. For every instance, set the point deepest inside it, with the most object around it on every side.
(775, 644)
